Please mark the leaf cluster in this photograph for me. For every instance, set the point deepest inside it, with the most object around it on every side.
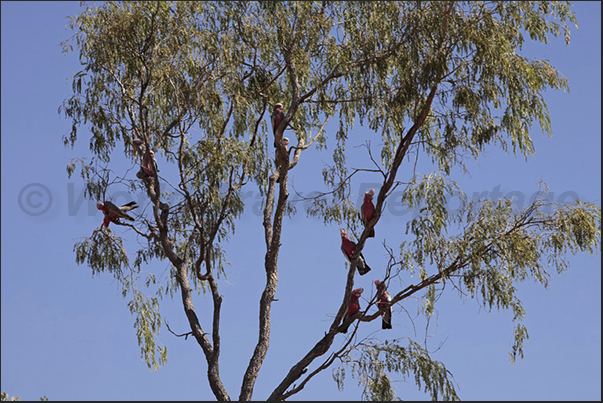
(195, 83)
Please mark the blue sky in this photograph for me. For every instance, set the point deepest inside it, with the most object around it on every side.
(68, 335)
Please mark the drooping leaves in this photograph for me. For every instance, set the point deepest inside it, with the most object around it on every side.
(196, 81)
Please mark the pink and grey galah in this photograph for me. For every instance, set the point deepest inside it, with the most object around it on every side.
(113, 213)
(353, 308)
(277, 117)
(286, 144)
(148, 163)
(367, 210)
(383, 298)
(348, 248)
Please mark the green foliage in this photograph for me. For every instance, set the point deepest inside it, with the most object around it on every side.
(500, 246)
(195, 82)
(4, 397)
(103, 251)
(148, 323)
(377, 362)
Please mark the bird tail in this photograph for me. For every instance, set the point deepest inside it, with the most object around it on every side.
(363, 269)
(129, 206)
(343, 328)
(386, 322)
(127, 217)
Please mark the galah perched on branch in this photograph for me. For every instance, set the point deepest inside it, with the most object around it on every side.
(348, 248)
(113, 213)
(277, 117)
(353, 308)
(148, 163)
(286, 144)
(367, 210)
(137, 147)
(383, 298)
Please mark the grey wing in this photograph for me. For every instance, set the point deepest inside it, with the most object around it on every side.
(112, 207)
(128, 206)
(117, 210)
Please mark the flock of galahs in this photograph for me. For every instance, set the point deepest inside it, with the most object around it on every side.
(113, 213)
(348, 247)
(148, 168)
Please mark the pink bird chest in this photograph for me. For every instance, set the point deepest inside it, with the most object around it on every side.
(348, 246)
(353, 307)
(368, 209)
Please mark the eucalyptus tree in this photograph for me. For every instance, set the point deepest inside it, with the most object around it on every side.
(194, 83)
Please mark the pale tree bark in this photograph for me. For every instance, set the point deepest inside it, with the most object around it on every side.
(321, 74)
(323, 345)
